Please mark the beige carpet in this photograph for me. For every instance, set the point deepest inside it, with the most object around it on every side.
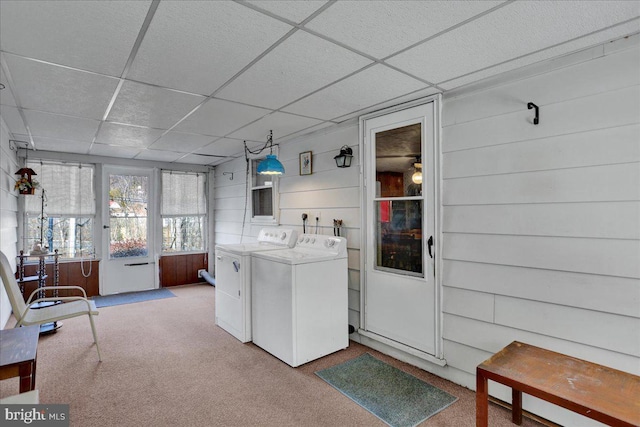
(165, 363)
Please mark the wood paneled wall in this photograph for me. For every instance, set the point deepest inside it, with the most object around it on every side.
(181, 269)
(541, 222)
(71, 274)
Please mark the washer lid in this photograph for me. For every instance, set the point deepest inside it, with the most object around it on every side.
(248, 248)
(299, 256)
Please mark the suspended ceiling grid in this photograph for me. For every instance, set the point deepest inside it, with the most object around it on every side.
(189, 81)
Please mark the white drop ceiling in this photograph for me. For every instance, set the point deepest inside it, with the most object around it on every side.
(190, 81)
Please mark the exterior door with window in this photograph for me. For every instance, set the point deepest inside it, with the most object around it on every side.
(129, 256)
(399, 292)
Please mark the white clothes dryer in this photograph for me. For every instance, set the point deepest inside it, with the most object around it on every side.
(300, 299)
(233, 279)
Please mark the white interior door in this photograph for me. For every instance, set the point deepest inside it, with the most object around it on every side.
(129, 258)
(400, 304)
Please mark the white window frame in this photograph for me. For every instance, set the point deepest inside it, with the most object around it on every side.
(254, 159)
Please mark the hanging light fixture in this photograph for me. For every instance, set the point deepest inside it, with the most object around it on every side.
(417, 175)
(343, 160)
(271, 165)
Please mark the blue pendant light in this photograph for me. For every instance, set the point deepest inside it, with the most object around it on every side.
(271, 165)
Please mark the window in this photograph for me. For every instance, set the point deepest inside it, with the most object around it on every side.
(184, 211)
(61, 213)
(263, 202)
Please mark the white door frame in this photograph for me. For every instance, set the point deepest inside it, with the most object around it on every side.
(365, 245)
(152, 234)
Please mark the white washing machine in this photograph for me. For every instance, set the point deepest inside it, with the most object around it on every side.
(300, 299)
(233, 279)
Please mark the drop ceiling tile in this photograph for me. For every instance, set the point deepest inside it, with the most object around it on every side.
(354, 93)
(60, 90)
(566, 48)
(193, 159)
(282, 125)
(113, 151)
(507, 33)
(132, 136)
(181, 142)
(362, 25)
(218, 117)
(12, 118)
(225, 147)
(95, 36)
(197, 46)
(6, 97)
(293, 10)
(61, 127)
(299, 65)
(158, 155)
(143, 105)
(63, 145)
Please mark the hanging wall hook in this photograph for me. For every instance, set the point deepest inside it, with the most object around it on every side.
(536, 119)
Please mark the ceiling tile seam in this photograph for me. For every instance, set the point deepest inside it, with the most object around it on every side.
(10, 84)
(381, 104)
(55, 64)
(132, 54)
(282, 18)
(449, 29)
(547, 48)
(70, 116)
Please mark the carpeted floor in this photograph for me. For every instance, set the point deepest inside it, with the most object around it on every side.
(165, 363)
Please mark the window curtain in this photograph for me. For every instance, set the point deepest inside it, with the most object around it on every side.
(183, 194)
(69, 189)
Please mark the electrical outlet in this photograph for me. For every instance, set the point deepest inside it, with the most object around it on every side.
(200, 271)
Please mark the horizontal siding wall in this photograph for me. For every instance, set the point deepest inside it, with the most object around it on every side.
(331, 192)
(541, 223)
(8, 213)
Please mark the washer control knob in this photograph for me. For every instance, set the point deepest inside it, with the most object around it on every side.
(313, 240)
(330, 243)
(306, 240)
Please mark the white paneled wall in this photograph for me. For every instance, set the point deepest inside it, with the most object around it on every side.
(331, 192)
(8, 212)
(541, 223)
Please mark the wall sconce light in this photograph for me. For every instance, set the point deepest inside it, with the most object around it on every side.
(417, 175)
(343, 160)
(271, 165)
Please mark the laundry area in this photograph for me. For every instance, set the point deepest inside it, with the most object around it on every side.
(287, 294)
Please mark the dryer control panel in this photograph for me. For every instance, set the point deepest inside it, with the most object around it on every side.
(278, 236)
(321, 242)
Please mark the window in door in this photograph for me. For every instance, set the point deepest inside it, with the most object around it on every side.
(128, 215)
(184, 211)
(398, 200)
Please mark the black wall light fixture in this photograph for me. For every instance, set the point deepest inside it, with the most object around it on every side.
(536, 119)
(343, 160)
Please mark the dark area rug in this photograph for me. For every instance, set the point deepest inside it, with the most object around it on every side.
(397, 398)
(132, 297)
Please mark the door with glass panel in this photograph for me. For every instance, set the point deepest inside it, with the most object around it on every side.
(129, 259)
(399, 292)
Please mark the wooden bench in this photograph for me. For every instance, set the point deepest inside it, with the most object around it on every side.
(595, 391)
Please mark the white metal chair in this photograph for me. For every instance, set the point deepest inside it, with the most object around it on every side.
(72, 306)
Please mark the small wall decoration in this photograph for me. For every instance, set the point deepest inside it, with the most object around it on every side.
(26, 184)
(305, 163)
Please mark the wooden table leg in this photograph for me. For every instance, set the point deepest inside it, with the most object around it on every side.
(516, 406)
(25, 371)
(482, 400)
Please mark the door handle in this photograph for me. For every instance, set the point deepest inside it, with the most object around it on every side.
(429, 245)
(105, 226)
